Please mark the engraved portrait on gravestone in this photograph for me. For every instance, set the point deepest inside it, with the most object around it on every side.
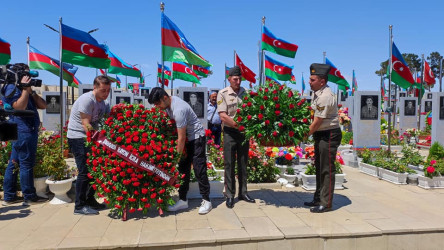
(409, 107)
(369, 107)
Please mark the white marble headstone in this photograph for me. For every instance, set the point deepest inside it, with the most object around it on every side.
(438, 118)
(54, 108)
(426, 106)
(408, 117)
(366, 125)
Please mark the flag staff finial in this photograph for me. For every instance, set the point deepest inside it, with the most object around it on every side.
(263, 20)
(162, 6)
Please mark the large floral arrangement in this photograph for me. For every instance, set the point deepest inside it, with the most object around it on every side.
(148, 134)
(274, 113)
(344, 119)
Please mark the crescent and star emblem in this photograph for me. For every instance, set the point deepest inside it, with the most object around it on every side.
(186, 70)
(85, 50)
(166, 72)
(278, 43)
(338, 73)
(400, 67)
(279, 69)
(53, 63)
(430, 73)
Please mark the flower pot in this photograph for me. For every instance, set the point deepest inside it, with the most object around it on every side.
(220, 172)
(308, 182)
(339, 180)
(60, 188)
(368, 169)
(348, 157)
(290, 177)
(40, 186)
(344, 147)
(282, 169)
(393, 177)
(216, 190)
(429, 183)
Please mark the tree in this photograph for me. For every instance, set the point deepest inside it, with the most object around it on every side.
(383, 69)
(434, 59)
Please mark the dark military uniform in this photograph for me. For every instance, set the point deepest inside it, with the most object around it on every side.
(327, 140)
(234, 143)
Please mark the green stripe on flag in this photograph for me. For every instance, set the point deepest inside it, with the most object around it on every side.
(173, 54)
(272, 74)
(4, 58)
(83, 60)
(279, 51)
(50, 68)
(339, 81)
(124, 71)
(185, 77)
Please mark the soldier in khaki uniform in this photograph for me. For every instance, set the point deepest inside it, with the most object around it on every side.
(327, 136)
(234, 141)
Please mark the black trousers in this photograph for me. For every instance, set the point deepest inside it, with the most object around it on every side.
(235, 147)
(326, 146)
(84, 191)
(195, 150)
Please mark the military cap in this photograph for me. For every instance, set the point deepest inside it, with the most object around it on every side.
(319, 69)
(235, 71)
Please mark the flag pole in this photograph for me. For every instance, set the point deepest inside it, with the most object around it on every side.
(27, 47)
(421, 90)
(162, 8)
(172, 78)
(225, 80)
(302, 84)
(61, 87)
(440, 74)
(261, 57)
(234, 58)
(390, 87)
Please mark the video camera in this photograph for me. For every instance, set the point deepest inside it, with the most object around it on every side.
(8, 131)
(13, 74)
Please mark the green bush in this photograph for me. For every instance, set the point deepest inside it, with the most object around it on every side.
(346, 137)
(310, 169)
(411, 156)
(366, 155)
(436, 152)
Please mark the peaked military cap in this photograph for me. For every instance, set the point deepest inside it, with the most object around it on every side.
(319, 69)
(235, 71)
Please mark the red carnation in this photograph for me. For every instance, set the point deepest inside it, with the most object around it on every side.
(249, 117)
(430, 170)
(275, 133)
(277, 106)
(304, 120)
(119, 139)
(288, 157)
(241, 128)
(266, 90)
(259, 135)
(277, 112)
(265, 97)
(267, 122)
(275, 98)
(249, 104)
(153, 195)
(291, 133)
(239, 119)
(280, 125)
(262, 107)
(291, 106)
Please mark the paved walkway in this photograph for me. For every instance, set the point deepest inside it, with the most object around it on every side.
(368, 214)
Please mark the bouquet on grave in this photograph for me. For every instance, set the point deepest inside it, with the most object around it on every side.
(274, 115)
(143, 135)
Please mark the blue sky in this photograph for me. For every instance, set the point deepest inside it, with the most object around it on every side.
(353, 33)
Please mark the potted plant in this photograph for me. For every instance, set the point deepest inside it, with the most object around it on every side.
(60, 177)
(309, 176)
(412, 158)
(366, 165)
(274, 115)
(261, 165)
(433, 175)
(290, 175)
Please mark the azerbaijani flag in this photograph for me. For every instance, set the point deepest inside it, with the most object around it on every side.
(201, 71)
(271, 79)
(112, 79)
(80, 48)
(303, 85)
(118, 82)
(176, 47)
(293, 79)
(227, 69)
(277, 45)
(165, 81)
(335, 76)
(5, 52)
(166, 72)
(277, 69)
(119, 67)
(401, 74)
(354, 84)
(38, 60)
(247, 74)
(183, 72)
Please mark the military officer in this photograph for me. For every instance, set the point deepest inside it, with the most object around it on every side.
(234, 141)
(327, 136)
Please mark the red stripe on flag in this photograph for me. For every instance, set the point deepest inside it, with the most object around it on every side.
(279, 43)
(201, 69)
(171, 38)
(335, 72)
(400, 68)
(41, 58)
(5, 48)
(282, 70)
(178, 67)
(82, 48)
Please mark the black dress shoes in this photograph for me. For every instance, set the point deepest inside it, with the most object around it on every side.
(246, 198)
(311, 203)
(230, 202)
(320, 209)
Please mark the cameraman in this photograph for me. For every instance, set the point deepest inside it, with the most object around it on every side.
(25, 148)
